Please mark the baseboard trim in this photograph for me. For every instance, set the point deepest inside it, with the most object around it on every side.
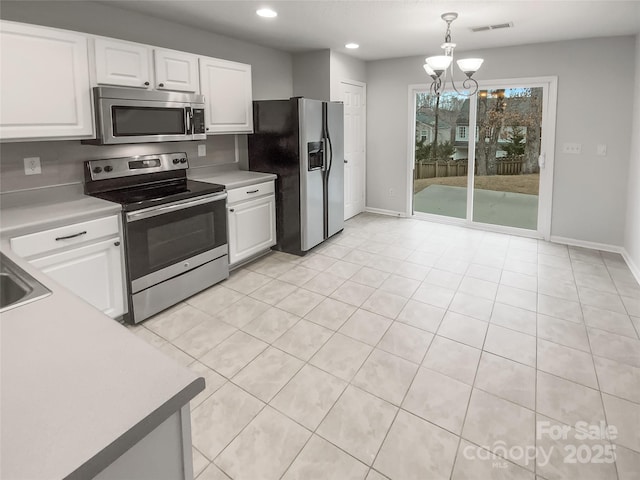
(603, 247)
(382, 211)
(632, 266)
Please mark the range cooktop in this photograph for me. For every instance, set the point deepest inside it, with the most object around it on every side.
(135, 198)
(144, 181)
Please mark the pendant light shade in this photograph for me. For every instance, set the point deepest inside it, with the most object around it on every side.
(469, 65)
(439, 63)
(429, 71)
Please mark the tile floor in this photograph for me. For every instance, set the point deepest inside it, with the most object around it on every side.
(404, 349)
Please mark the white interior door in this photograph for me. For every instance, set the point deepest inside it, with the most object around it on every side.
(354, 97)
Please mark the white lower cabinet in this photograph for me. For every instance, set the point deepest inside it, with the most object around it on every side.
(84, 257)
(252, 226)
(92, 272)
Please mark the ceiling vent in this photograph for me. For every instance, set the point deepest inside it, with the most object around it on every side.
(492, 27)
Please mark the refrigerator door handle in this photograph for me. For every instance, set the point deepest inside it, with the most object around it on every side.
(330, 152)
(324, 155)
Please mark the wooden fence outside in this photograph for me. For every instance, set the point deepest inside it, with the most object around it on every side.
(457, 168)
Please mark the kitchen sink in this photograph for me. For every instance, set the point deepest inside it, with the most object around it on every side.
(17, 287)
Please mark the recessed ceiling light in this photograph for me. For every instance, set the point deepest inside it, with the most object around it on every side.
(352, 45)
(267, 13)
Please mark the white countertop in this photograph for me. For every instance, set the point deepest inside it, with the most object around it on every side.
(43, 208)
(77, 388)
(232, 178)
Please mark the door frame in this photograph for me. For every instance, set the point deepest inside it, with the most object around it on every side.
(358, 83)
(547, 147)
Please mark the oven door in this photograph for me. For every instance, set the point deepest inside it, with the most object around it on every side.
(170, 239)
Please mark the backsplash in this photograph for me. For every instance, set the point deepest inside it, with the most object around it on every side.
(62, 161)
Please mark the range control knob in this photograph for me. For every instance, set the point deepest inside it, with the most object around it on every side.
(176, 161)
(97, 169)
(183, 160)
(108, 168)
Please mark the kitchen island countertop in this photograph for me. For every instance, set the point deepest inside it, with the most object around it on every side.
(78, 389)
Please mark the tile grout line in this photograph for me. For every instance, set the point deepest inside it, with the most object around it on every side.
(595, 371)
(428, 268)
(475, 376)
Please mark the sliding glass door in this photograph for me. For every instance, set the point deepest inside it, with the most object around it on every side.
(486, 159)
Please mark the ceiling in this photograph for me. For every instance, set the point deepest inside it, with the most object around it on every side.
(396, 28)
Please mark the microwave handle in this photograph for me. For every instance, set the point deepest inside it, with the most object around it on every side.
(189, 115)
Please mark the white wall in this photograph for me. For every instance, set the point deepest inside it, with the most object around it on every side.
(311, 73)
(590, 192)
(344, 67)
(318, 74)
(632, 234)
(271, 69)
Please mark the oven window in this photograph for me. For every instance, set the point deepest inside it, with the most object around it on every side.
(188, 237)
(160, 241)
(140, 121)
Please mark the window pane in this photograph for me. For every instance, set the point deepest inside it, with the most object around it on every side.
(441, 154)
(508, 146)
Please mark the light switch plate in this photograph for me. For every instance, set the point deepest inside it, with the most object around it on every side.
(601, 149)
(572, 148)
(32, 166)
(202, 150)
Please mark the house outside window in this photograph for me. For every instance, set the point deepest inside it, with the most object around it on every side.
(462, 133)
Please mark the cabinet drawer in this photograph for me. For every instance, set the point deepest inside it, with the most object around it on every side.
(61, 237)
(250, 191)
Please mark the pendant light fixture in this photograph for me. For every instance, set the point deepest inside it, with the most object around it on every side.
(437, 66)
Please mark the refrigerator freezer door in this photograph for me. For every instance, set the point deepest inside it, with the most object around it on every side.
(311, 178)
(335, 167)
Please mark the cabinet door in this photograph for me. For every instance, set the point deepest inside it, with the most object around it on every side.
(45, 90)
(175, 71)
(122, 63)
(252, 228)
(93, 273)
(226, 87)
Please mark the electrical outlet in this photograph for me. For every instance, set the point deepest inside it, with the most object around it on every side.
(572, 148)
(601, 149)
(392, 193)
(202, 150)
(32, 166)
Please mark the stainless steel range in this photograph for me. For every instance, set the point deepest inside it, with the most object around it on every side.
(175, 229)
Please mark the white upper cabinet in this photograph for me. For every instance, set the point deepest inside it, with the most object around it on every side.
(175, 71)
(226, 87)
(122, 63)
(127, 64)
(45, 90)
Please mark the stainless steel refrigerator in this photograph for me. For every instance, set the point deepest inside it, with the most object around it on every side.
(302, 141)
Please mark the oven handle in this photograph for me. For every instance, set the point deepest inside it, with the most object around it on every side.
(173, 207)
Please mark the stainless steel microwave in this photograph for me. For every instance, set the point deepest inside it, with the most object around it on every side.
(127, 115)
